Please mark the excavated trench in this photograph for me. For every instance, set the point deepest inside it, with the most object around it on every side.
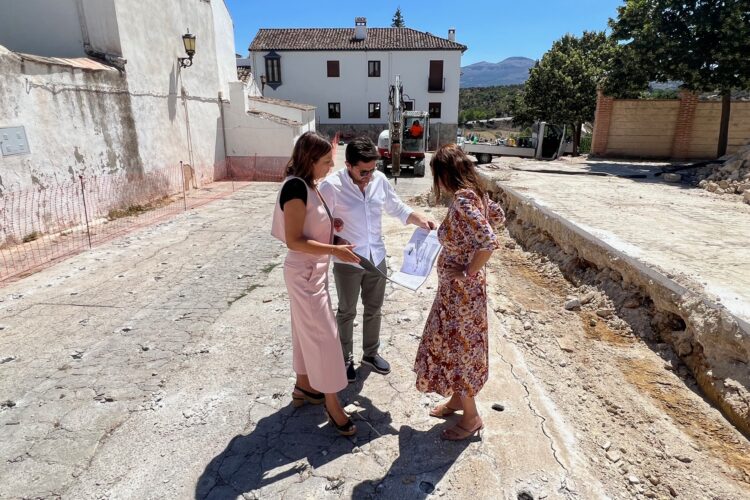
(712, 343)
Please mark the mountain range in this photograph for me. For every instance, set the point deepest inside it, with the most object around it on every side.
(510, 71)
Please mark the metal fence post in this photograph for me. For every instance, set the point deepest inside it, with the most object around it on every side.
(85, 210)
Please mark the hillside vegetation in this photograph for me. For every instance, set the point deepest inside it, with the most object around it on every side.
(480, 103)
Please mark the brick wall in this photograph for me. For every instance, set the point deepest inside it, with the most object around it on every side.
(684, 128)
(638, 130)
(602, 121)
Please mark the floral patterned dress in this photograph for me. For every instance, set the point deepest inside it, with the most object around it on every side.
(453, 354)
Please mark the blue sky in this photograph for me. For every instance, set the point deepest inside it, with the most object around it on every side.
(493, 30)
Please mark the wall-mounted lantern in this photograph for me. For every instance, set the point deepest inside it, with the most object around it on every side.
(188, 41)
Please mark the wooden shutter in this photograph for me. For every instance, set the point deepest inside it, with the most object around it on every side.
(333, 69)
(435, 82)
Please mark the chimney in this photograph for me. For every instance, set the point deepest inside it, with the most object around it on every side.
(452, 34)
(360, 28)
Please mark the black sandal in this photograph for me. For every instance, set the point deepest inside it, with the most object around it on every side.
(314, 398)
(347, 429)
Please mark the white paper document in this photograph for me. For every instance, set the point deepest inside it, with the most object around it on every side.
(419, 258)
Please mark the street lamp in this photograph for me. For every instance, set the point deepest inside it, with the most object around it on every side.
(188, 40)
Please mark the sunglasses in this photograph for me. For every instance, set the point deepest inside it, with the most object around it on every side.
(365, 173)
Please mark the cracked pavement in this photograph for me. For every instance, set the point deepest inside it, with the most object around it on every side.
(159, 366)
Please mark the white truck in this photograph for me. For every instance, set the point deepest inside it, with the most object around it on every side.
(551, 145)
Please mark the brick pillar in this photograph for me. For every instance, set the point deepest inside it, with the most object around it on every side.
(684, 126)
(602, 120)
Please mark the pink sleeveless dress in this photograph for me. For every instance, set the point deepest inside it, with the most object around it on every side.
(316, 349)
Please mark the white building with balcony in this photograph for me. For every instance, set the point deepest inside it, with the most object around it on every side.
(346, 73)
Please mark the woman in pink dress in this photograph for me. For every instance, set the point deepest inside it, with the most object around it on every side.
(452, 357)
(302, 220)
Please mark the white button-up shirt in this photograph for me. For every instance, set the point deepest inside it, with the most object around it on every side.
(362, 213)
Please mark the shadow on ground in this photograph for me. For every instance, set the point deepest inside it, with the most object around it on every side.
(633, 170)
(290, 441)
(423, 460)
(282, 445)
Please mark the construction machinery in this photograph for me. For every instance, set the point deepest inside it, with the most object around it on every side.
(405, 142)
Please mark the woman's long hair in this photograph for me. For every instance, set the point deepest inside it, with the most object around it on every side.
(453, 170)
(309, 148)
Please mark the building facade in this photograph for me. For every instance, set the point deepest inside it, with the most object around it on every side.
(97, 88)
(346, 74)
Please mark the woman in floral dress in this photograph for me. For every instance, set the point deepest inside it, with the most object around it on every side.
(453, 355)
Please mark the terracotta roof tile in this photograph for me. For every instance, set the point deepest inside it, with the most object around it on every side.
(244, 73)
(85, 63)
(282, 102)
(343, 39)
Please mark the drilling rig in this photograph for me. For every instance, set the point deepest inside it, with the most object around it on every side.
(405, 142)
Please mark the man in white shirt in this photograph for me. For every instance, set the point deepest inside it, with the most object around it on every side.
(357, 197)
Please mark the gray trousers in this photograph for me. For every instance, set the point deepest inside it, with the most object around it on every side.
(350, 281)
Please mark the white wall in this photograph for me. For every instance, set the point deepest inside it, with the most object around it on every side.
(101, 25)
(77, 122)
(224, 36)
(42, 27)
(250, 134)
(304, 80)
(94, 122)
(169, 100)
(53, 27)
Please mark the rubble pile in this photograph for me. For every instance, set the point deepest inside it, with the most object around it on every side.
(732, 177)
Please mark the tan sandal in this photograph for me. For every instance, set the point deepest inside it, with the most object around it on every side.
(443, 411)
(459, 433)
(299, 396)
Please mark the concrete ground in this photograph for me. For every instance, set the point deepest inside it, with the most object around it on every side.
(699, 237)
(159, 366)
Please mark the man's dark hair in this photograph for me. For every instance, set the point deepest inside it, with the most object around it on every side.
(361, 149)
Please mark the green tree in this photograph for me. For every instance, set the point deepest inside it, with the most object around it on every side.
(562, 85)
(702, 43)
(523, 116)
(627, 75)
(494, 101)
(398, 19)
